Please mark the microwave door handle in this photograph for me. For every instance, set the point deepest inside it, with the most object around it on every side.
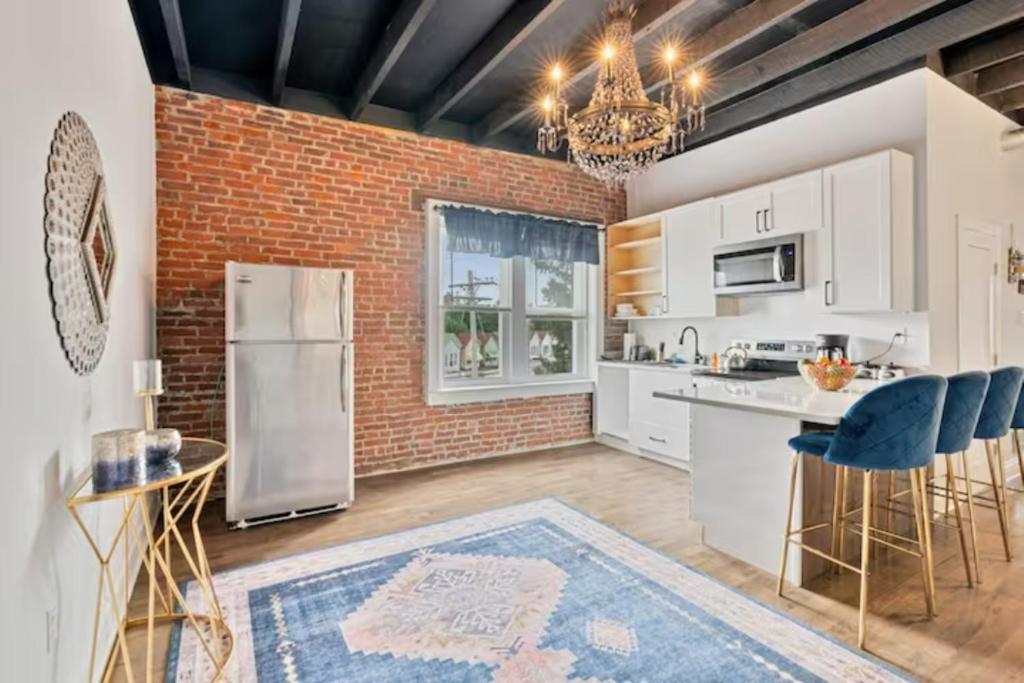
(777, 266)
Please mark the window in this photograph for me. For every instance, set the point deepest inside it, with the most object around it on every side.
(505, 327)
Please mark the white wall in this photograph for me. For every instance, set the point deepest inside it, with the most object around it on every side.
(969, 175)
(888, 115)
(64, 55)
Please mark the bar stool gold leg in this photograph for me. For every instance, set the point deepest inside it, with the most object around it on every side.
(1020, 457)
(842, 520)
(836, 519)
(970, 512)
(926, 518)
(997, 494)
(1002, 492)
(919, 524)
(890, 515)
(789, 520)
(865, 552)
(951, 485)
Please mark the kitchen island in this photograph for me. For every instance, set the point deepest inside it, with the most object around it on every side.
(740, 464)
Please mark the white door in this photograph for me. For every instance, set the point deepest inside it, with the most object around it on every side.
(795, 205)
(856, 246)
(689, 234)
(977, 294)
(743, 215)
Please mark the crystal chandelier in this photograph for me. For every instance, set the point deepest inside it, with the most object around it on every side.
(621, 133)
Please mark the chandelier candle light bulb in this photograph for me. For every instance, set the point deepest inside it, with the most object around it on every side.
(621, 132)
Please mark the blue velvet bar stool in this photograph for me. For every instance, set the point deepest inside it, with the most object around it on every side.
(1017, 424)
(893, 428)
(997, 413)
(965, 395)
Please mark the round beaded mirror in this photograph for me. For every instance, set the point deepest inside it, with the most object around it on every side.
(80, 250)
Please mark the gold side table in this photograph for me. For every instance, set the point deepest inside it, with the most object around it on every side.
(176, 490)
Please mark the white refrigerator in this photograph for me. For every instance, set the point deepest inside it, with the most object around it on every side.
(289, 391)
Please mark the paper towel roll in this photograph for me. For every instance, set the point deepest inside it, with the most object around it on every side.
(628, 342)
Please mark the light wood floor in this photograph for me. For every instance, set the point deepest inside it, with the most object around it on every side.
(977, 635)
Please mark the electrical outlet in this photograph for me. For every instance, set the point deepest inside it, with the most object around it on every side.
(51, 630)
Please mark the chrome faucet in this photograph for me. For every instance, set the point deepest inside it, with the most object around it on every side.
(697, 358)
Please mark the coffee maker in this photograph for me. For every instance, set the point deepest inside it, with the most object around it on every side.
(832, 346)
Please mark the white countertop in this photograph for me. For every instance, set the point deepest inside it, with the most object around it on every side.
(788, 397)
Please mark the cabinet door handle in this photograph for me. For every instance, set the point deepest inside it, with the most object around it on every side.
(828, 292)
(757, 222)
(767, 228)
(656, 439)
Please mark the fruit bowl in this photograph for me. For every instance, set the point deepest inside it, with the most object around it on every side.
(829, 376)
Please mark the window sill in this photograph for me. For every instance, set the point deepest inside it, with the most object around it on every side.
(483, 394)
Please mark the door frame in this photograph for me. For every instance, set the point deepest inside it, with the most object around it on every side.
(965, 223)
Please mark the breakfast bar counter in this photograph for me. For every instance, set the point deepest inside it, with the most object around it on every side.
(790, 397)
(740, 464)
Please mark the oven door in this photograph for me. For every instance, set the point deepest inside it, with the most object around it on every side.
(765, 266)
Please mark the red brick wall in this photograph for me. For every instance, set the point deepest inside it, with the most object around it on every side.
(258, 184)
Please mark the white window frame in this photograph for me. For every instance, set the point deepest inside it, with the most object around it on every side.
(517, 380)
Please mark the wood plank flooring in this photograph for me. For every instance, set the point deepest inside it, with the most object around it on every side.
(977, 635)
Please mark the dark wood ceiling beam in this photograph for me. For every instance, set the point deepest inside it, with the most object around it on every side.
(408, 18)
(843, 30)
(971, 58)
(651, 16)
(176, 37)
(1002, 76)
(879, 58)
(1007, 101)
(285, 41)
(739, 27)
(508, 34)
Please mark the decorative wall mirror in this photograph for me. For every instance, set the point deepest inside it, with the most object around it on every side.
(80, 249)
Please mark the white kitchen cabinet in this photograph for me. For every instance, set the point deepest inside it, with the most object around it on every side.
(741, 215)
(658, 425)
(689, 233)
(782, 207)
(865, 252)
(796, 205)
(611, 413)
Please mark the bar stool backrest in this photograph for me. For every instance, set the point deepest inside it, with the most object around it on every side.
(1017, 421)
(1000, 403)
(894, 427)
(965, 395)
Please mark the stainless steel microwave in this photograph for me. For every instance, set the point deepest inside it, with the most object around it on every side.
(761, 267)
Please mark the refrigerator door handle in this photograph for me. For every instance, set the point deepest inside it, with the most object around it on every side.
(343, 379)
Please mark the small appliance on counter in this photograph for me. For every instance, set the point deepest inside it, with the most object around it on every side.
(832, 346)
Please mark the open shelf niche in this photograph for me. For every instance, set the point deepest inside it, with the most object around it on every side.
(634, 264)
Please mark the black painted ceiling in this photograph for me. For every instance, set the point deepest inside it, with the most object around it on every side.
(401, 57)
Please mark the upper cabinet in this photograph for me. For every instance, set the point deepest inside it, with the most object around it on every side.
(689, 233)
(787, 206)
(865, 252)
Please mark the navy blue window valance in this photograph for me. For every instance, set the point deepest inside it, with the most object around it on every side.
(503, 235)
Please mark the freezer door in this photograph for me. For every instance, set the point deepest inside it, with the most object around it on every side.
(282, 303)
(290, 427)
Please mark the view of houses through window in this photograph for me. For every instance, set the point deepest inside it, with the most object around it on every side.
(482, 294)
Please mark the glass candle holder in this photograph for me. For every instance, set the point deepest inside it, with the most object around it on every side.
(118, 459)
(147, 377)
(162, 445)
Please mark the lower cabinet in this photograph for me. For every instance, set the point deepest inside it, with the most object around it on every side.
(657, 425)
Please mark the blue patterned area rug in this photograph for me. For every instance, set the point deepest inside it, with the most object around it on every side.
(536, 593)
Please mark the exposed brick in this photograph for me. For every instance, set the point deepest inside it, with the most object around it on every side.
(248, 182)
